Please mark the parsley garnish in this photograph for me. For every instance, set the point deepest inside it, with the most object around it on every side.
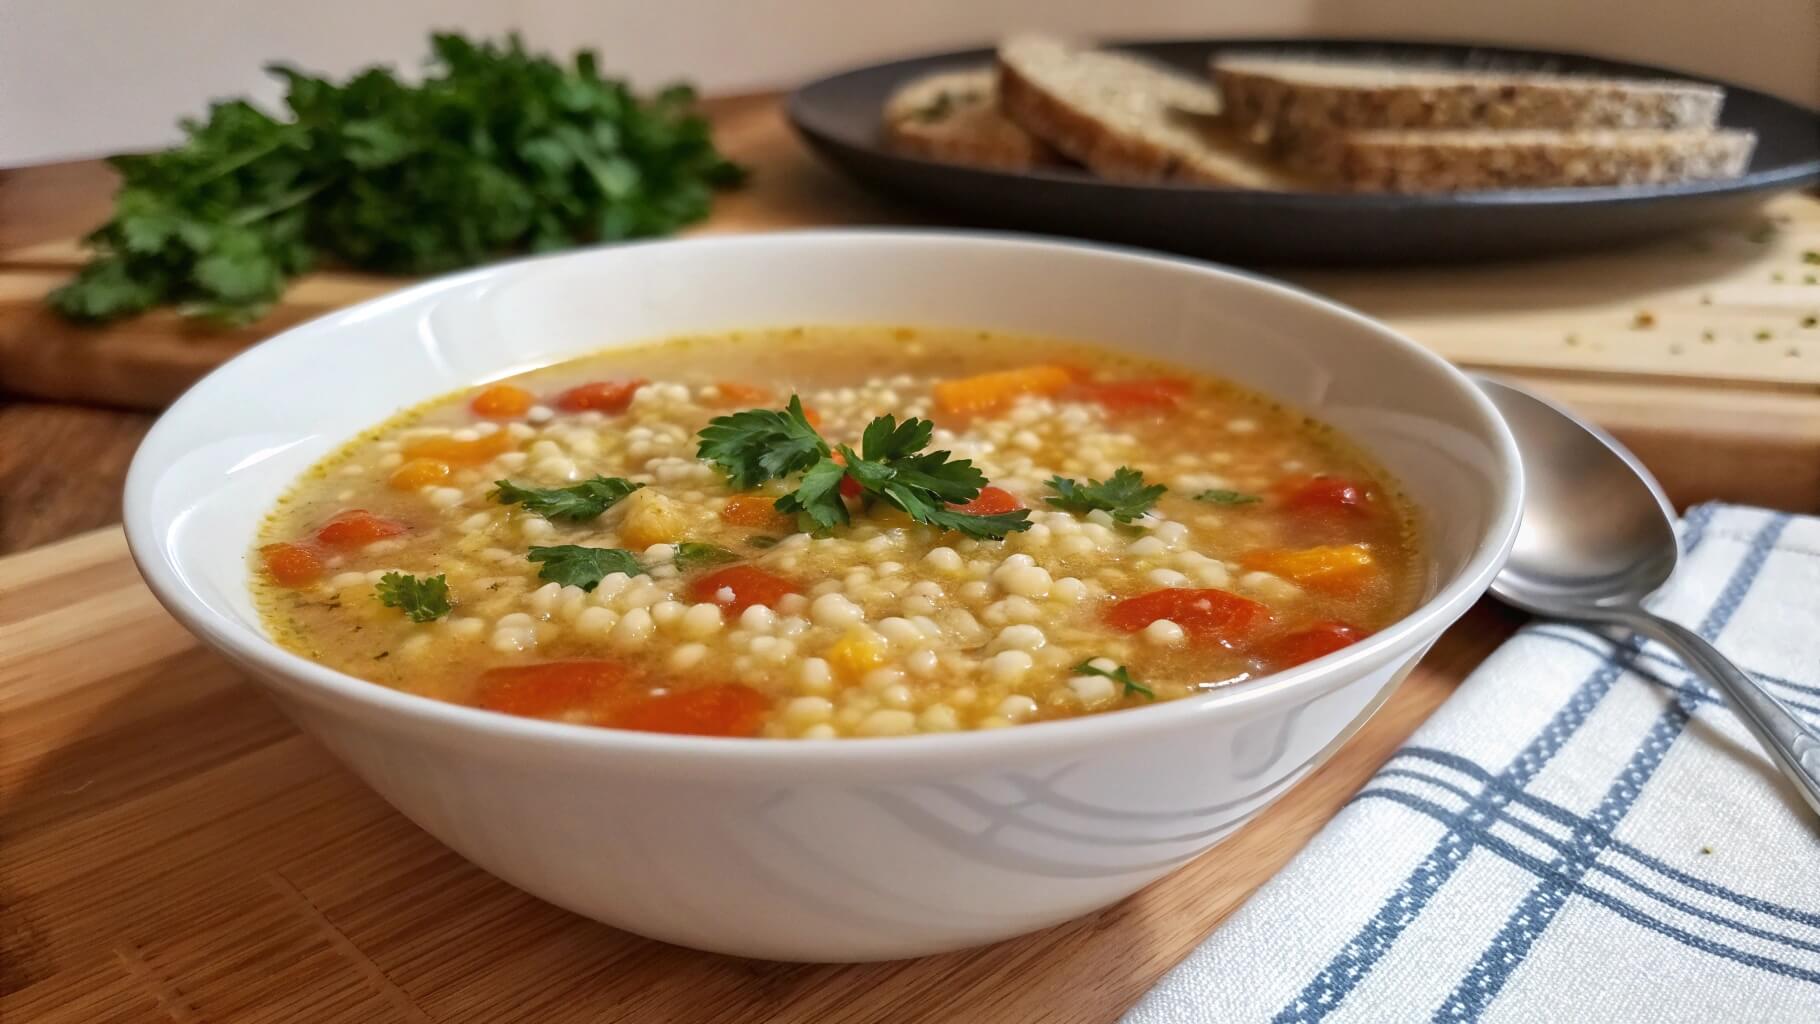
(423, 600)
(760, 444)
(1118, 675)
(1221, 496)
(693, 555)
(575, 566)
(576, 503)
(494, 150)
(891, 466)
(1124, 497)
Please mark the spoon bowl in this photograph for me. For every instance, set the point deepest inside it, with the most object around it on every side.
(1596, 526)
(1597, 538)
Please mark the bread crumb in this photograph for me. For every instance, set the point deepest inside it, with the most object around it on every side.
(1643, 320)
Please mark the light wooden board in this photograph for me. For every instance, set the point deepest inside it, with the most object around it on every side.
(175, 850)
(1700, 348)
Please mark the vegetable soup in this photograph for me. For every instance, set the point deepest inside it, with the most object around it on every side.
(836, 532)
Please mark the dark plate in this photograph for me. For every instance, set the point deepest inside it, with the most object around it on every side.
(839, 116)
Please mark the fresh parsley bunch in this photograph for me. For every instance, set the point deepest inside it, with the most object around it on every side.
(496, 151)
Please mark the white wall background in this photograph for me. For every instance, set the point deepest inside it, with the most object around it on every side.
(81, 77)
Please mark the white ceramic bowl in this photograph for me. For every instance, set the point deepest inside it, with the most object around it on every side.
(846, 850)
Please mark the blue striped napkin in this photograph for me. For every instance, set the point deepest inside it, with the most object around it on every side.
(1582, 833)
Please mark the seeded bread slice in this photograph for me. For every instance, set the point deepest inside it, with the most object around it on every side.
(1124, 118)
(1456, 161)
(954, 116)
(1282, 99)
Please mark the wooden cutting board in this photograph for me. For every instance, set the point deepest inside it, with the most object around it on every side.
(1697, 351)
(175, 850)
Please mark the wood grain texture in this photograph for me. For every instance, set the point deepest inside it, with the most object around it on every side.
(174, 850)
(62, 468)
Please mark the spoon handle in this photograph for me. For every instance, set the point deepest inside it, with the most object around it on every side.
(1793, 746)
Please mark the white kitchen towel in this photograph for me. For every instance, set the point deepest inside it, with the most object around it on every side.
(1582, 833)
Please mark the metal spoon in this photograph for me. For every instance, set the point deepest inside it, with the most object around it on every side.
(1598, 537)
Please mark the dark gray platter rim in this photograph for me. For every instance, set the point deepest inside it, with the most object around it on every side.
(839, 117)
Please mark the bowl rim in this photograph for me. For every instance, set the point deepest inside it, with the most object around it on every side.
(294, 674)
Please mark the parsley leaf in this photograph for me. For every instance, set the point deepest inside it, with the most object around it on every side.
(494, 150)
(576, 566)
(1119, 675)
(1221, 496)
(693, 555)
(576, 503)
(892, 466)
(816, 501)
(762, 444)
(423, 600)
(1124, 497)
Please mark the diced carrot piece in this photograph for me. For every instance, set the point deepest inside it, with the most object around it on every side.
(445, 448)
(502, 401)
(600, 396)
(553, 688)
(991, 501)
(748, 585)
(1317, 641)
(418, 473)
(985, 392)
(753, 510)
(1151, 394)
(1205, 614)
(744, 396)
(722, 709)
(1339, 568)
(357, 527)
(811, 417)
(291, 565)
(1324, 495)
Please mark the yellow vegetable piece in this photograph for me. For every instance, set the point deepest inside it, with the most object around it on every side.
(988, 391)
(418, 473)
(857, 653)
(1333, 567)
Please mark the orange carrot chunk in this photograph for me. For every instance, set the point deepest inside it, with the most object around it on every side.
(356, 528)
(1325, 495)
(1205, 615)
(446, 448)
(502, 401)
(965, 396)
(1151, 394)
(734, 394)
(1317, 641)
(753, 510)
(418, 473)
(291, 565)
(585, 689)
(1336, 568)
(722, 709)
(746, 585)
(600, 396)
(991, 501)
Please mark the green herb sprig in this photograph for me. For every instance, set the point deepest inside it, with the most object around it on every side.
(573, 565)
(1124, 496)
(1221, 496)
(577, 503)
(1119, 675)
(424, 600)
(497, 150)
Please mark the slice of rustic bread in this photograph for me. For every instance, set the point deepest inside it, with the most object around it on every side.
(1279, 99)
(954, 116)
(1124, 118)
(1453, 161)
